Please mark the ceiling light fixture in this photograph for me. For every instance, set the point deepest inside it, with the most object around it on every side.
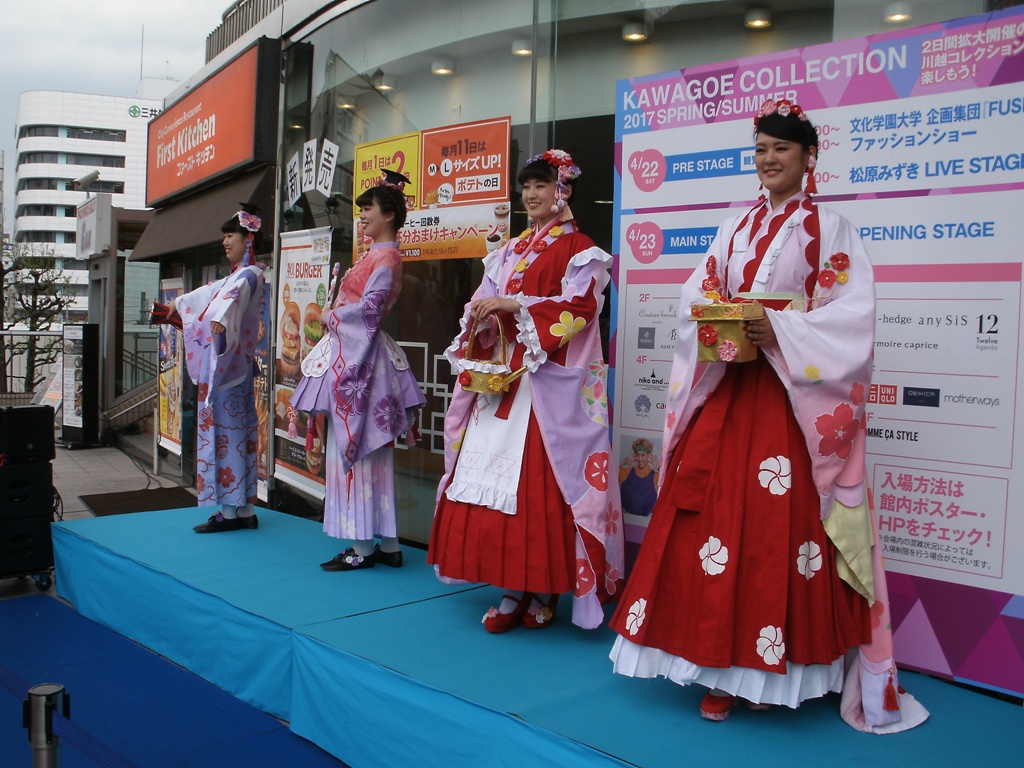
(634, 32)
(384, 82)
(443, 67)
(896, 13)
(346, 104)
(758, 18)
(521, 48)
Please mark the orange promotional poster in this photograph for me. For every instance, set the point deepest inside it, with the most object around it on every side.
(466, 163)
(458, 201)
(171, 373)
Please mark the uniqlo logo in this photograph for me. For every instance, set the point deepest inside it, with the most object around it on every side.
(884, 394)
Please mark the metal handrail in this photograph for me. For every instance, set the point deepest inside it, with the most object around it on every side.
(142, 362)
(133, 406)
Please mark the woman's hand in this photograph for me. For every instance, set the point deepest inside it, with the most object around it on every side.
(216, 327)
(484, 308)
(760, 332)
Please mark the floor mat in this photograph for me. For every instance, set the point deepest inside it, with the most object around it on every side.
(146, 500)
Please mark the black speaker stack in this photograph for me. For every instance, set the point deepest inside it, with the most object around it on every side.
(26, 492)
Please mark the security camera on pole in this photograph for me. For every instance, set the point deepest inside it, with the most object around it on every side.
(83, 182)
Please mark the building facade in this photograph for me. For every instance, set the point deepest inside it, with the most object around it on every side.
(363, 71)
(67, 136)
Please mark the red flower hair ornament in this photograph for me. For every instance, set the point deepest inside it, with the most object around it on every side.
(566, 171)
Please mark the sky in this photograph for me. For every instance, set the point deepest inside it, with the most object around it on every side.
(93, 47)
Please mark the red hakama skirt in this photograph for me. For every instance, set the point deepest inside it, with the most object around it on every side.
(735, 550)
(533, 550)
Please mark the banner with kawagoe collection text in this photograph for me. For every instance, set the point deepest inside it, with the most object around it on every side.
(921, 148)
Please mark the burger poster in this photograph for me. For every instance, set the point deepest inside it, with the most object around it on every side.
(261, 388)
(171, 372)
(304, 278)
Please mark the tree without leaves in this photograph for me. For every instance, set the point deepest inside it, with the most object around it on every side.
(34, 297)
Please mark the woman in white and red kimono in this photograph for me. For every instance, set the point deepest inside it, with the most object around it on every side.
(528, 501)
(758, 576)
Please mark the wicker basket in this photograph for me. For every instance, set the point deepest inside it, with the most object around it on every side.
(489, 382)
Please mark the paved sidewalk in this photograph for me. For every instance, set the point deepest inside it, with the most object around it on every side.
(84, 471)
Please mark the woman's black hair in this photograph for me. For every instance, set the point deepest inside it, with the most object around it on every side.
(541, 170)
(788, 128)
(234, 225)
(389, 200)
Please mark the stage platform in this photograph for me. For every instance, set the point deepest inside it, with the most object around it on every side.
(391, 667)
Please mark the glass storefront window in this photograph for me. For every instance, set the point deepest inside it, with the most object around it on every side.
(368, 73)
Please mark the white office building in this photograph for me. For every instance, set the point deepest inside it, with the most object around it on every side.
(66, 136)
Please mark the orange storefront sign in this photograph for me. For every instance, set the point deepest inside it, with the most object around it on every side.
(207, 132)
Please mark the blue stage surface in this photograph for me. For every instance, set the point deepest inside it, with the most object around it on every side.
(391, 667)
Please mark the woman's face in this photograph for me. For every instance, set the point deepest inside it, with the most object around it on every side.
(780, 165)
(538, 198)
(642, 458)
(376, 223)
(234, 246)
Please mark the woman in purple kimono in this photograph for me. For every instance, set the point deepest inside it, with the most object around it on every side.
(360, 378)
(220, 322)
(529, 501)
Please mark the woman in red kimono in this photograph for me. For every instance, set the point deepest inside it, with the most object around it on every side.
(526, 503)
(757, 577)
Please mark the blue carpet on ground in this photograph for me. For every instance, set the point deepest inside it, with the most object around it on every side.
(141, 706)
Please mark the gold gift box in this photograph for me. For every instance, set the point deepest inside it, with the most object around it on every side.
(720, 336)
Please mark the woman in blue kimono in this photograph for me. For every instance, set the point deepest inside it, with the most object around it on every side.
(220, 322)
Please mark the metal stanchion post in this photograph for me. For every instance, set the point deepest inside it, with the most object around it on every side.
(38, 711)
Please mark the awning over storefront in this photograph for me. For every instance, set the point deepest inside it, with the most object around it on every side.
(195, 221)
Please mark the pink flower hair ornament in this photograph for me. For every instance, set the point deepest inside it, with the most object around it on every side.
(784, 107)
